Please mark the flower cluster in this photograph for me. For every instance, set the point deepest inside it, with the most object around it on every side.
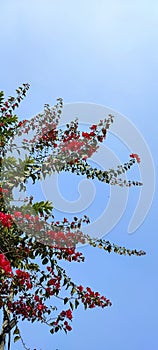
(92, 299)
(28, 308)
(61, 317)
(135, 155)
(24, 278)
(31, 232)
(55, 282)
(5, 264)
(2, 190)
(5, 219)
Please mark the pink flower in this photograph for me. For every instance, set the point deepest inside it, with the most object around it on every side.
(18, 214)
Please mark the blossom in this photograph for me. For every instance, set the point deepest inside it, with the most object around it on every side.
(5, 264)
(93, 127)
(18, 214)
(20, 124)
(86, 135)
(135, 155)
(41, 306)
(73, 146)
(5, 219)
(24, 277)
(68, 327)
(2, 190)
(80, 288)
(68, 314)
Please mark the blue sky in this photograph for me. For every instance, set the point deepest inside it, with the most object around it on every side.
(105, 53)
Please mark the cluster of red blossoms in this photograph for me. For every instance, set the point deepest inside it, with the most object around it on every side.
(5, 264)
(70, 141)
(22, 123)
(92, 299)
(5, 219)
(73, 143)
(27, 221)
(2, 190)
(62, 315)
(63, 240)
(24, 278)
(31, 309)
(58, 239)
(55, 282)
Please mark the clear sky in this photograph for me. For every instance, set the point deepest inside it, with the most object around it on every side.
(104, 52)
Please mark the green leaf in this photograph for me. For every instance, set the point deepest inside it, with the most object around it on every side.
(16, 339)
(73, 291)
(45, 261)
(16, 331)
(66, 300)
(52, 330)
(76, 303)
(85, 306)
(57, 329)
(72, 305)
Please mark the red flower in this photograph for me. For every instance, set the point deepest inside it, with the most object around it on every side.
(69, 314)
(80, 288)
(135, 155)
(27, 216)
(40, 307)
(2, 190)
(49, 268)
(51, 282)
(86, 135)
(91, 305)
(29, 285)
(6, 219)
(93, 127)
(5, 264)
(92, 133)
(69, 328)
(20, 124)
(18, 214)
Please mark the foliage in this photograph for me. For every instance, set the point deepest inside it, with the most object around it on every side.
(27, 291)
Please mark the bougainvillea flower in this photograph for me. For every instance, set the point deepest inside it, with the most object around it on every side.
(135, 155)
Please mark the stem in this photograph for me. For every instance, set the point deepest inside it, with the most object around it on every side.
(2, 339)
(6, 327)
